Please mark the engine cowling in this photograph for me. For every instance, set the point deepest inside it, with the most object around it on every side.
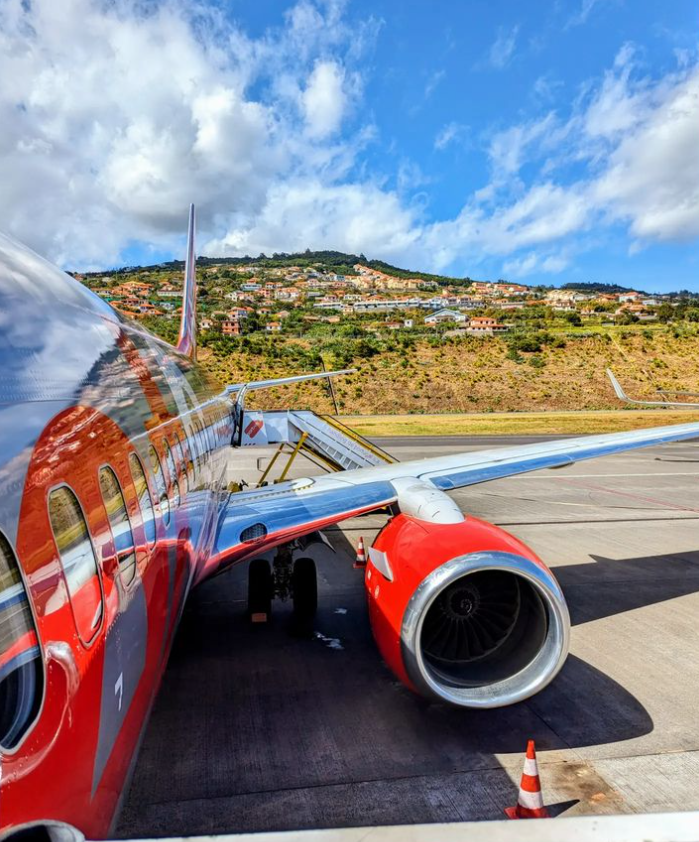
(465, 612)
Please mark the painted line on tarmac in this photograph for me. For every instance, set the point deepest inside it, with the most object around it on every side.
(642, 497)
(604, 476)
(594, 521)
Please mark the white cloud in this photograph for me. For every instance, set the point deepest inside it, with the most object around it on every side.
(532, 262)
(324, 99)
(545, 88)
(652, 177)
(637, 138)
(503, 47)
(308, 213)
(581, 16)
(116, 115)
(448, 134)
(508, 148)
(433, 82)
(410, 176)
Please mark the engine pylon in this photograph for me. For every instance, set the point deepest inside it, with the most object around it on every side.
(530, 802)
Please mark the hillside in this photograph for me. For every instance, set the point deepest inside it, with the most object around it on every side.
(336, 261)
(420, 343)
(468, 374)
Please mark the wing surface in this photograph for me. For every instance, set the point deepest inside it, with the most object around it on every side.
(621, 394)
(253, 520)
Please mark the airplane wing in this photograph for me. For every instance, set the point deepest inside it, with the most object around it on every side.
(255, 519)
(621, 394)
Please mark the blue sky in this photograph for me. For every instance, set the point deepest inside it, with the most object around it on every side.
(544, 142)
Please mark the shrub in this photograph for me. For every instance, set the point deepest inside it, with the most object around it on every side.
(526, 344)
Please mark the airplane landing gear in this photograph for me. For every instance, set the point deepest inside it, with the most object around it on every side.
(260, 591)
(304, 592)
(285, 579)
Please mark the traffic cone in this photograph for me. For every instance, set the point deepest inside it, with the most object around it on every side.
(360, 561)
(530, 803)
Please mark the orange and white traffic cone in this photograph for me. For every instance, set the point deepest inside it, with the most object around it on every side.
(360, 562)
(530, 802)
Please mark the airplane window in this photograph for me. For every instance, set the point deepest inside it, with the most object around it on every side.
(181, 440)
(174, 487)
(144, 498)
(211, 443)
(191, 451)
(157, 469)
(179, 453)
(21, 673)
(78, 560)
(193, 445)
(118, 516)
(188, 401)
(192, 448)
(201, 443)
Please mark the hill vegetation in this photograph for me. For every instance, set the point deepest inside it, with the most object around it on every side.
(466, 374)
(420, 343)
(337, 261)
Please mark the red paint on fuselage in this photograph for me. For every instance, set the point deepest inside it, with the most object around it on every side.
(51, 775)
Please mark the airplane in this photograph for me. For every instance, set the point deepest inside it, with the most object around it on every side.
(114, 505)
(621, 394)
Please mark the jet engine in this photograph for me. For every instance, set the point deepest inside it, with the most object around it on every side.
(463, 612)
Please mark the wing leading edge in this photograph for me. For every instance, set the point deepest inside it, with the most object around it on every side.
(254, 520)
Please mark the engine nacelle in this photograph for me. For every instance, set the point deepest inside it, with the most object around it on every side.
(464, 612)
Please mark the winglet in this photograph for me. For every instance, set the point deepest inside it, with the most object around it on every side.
(621, 394)
(617, 387)
(187, 340)
(285, 381)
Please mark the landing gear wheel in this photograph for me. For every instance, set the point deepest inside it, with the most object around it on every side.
(260, 591)
(304, 591)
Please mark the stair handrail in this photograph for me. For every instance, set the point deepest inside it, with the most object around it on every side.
(350, 433)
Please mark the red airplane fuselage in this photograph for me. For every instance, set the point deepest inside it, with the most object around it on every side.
(112, 471)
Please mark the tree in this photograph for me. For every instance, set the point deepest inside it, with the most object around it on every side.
(666, 312)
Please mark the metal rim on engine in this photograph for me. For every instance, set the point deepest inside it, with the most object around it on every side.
(423, 668)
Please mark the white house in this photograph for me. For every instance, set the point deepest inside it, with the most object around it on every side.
(445, 316)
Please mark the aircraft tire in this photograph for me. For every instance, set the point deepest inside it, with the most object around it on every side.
(260, 591)
(304, 589)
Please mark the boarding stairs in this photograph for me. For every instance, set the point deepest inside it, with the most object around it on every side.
(322, 438)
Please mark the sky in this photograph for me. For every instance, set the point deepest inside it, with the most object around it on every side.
(543, 142)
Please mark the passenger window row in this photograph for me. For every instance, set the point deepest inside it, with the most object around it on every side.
(21, 670)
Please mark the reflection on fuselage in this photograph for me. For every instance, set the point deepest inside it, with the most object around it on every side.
(112, 468)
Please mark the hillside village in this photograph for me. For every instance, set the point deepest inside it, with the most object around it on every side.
(288, 299)
(419, 343)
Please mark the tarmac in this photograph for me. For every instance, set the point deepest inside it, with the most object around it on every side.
(254, 730)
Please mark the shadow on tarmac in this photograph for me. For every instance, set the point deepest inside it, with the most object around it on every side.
(255, 730)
